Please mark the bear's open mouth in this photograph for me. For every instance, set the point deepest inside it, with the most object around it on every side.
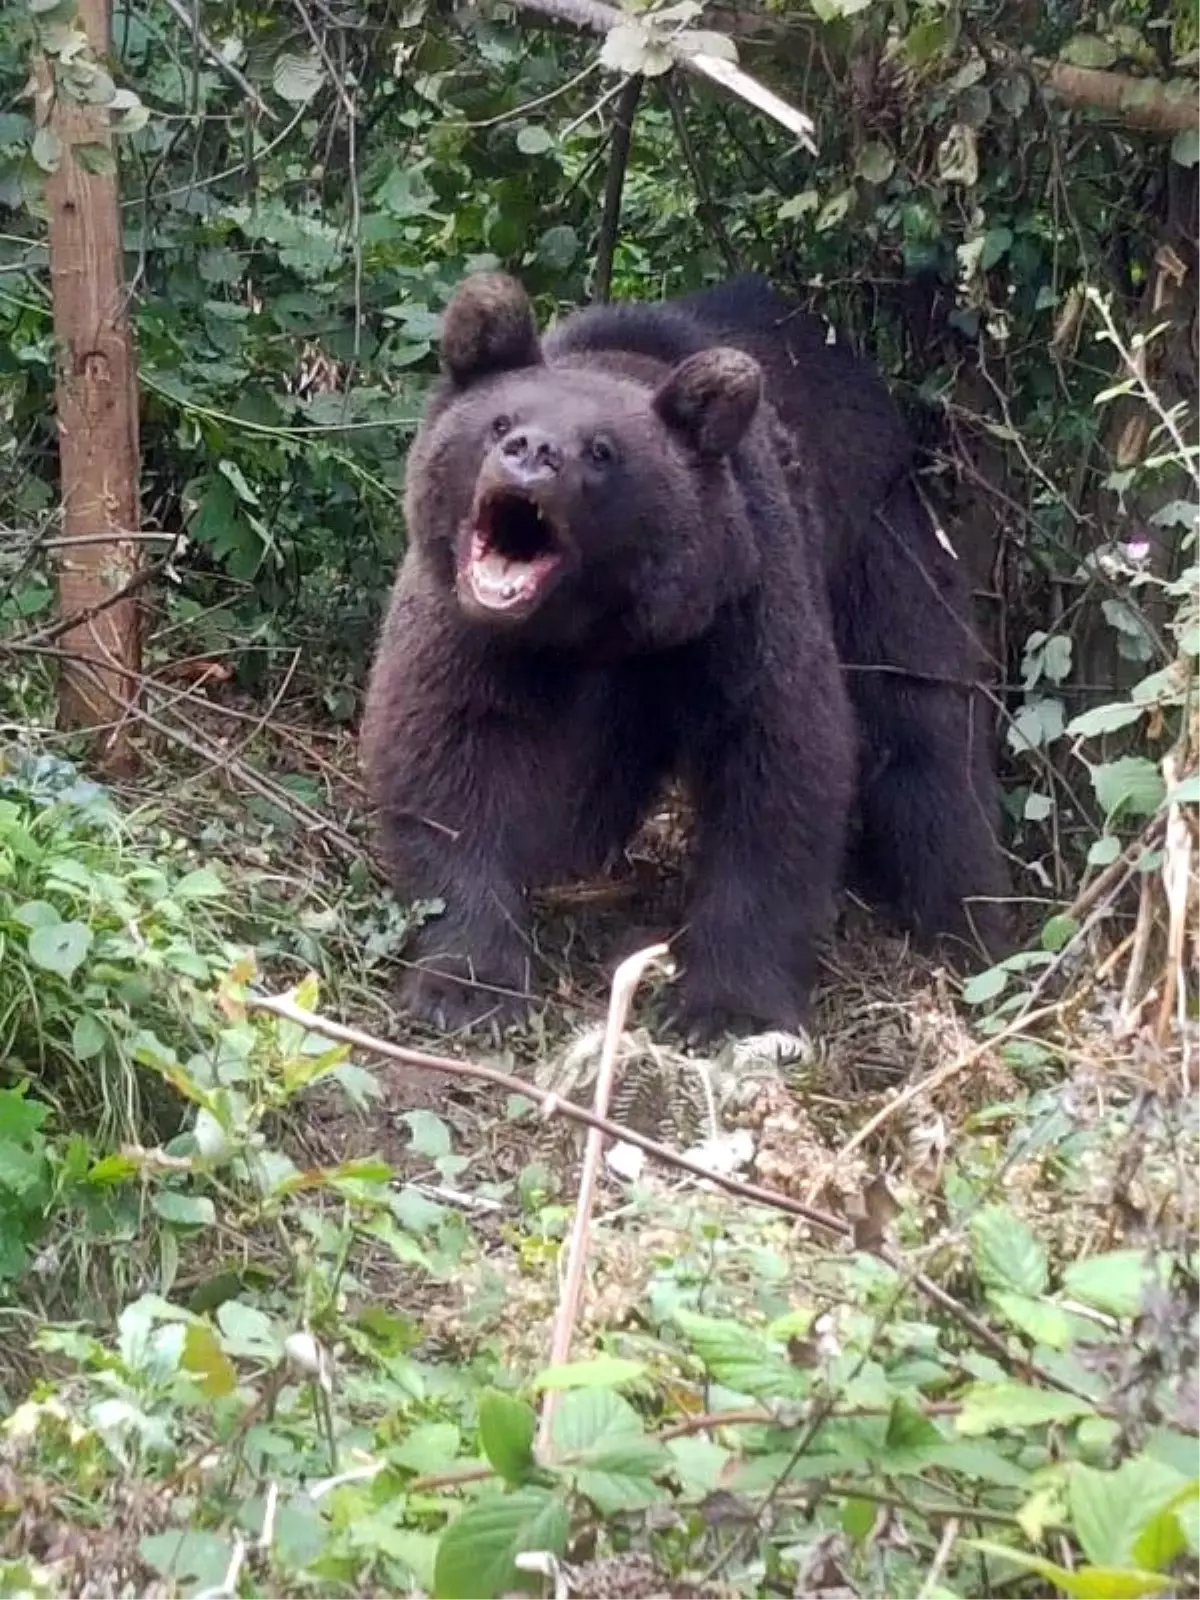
(513, 549)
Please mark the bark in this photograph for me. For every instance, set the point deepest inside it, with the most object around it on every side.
(97, 407)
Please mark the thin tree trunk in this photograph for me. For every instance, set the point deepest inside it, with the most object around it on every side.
(97, 406)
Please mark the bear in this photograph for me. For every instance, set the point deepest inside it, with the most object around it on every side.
(661, 542)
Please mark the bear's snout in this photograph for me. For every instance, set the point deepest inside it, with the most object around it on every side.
(530, 456)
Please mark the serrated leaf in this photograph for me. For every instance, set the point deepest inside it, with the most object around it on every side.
(1104, 719)
(1007, 1407)
(1083, 1583)
(588, 1418)
(1041, 1321)
(1115, 1282)
(297, 78)
(1131, 785)
(601, 1372)
(506, 1429)
(203, 884)
(60, 947)
(1110, 1510)
(1007, 1255)
(739, 1360)
(476, 1556)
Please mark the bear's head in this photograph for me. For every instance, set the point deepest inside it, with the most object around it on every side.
(586, 500)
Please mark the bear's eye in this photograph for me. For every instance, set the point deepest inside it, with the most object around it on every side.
(500, 426)
(600, 452)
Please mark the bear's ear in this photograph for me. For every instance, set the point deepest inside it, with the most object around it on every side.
(712, 398)
(488, 327)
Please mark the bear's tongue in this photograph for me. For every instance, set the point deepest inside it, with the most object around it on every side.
(498, 581)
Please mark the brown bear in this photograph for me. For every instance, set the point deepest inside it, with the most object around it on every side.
(665, 540)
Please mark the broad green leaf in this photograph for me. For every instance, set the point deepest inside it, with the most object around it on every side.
(297, 78)
(1132, 784)
(1103, 852)
(47, 149)
(195, 1559)
(1112, 1511)
(1085, 1583)
(1185, 147)
(88, 1036)
(1115, 1282)
(1007, 1256)
(203, 884)
(1088, 50)
(985, 986)
(588, 1418)
(1058, 932)
(506, 1430)
(1104, 719)
(1000, 1407)
(60, 947)
(432, 1447)
(910, 1437)
(1186, 792)
(558, 247)
(476, 1556)
(430, 1135)
(246, 1331)
(876, 162)
(601, 1372)
(620, 1477)
(1038, 807)
(1040, 1320)
(739, 1359)
(533, 140)
(187, 1210)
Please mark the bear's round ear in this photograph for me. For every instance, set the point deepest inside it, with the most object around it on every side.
(488, 327)
(712, 398)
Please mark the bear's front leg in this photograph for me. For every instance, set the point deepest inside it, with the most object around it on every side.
(772, 786)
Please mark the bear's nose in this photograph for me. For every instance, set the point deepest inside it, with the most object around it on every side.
(531, 456)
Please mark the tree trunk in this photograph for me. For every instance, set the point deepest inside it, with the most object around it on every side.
(96, 392)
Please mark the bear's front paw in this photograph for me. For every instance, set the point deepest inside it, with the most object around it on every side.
(705, 1014)
(454, 1005)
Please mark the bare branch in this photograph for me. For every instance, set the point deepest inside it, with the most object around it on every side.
(618, 159)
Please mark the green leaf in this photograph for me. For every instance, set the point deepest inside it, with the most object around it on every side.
(1110, 1511)
(1087, 50)
(88, 1037)
(199, 1560)
(506, 1430)
(47, 149)
(998, 1407)
(558, 247)
(60, 947)
(203, 884)
(1104, 719)
(1058, 932)
(1085, 1583)
(186, 1210)
(1038, 807)
(1185, 147)
(739, 1360)
(601, 1372)
(1186, 792)
(1115, 1282)
(587, 1418)
(1007, 1256)
(533, 140)
(205, 1360)
(476, 1556)
(876, 162)
(909, 1439)
(1041, 1321)
(985, 986)
(1103, 852)
(96, 159)
(1132, 784)
(297, 78)
(997, 242)
(430, 1135)
(248, 1332)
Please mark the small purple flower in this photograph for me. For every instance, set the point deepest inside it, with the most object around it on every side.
(1136, 550)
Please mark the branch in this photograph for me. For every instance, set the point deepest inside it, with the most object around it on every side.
(618, 160)
(686, 51)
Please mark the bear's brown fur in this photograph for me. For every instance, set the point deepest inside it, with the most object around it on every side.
(637, 549)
